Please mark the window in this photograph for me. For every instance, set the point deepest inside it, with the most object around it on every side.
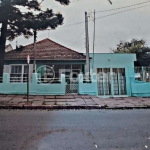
(18, 73)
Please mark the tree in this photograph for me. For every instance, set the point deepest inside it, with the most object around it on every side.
(14, 22)
(138, 47)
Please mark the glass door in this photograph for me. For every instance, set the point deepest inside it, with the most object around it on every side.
(104, 82)
(119, 81)
(111, 81)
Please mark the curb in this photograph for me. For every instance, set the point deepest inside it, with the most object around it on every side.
(69, 107)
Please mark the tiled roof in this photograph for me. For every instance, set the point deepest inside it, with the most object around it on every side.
(45, 50)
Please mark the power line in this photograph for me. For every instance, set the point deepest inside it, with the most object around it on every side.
(73, 24)
(123, 7)
(79, 45)
(121, 12)
(105, 16)
(78, 42)
(82, 41)
(78, 37)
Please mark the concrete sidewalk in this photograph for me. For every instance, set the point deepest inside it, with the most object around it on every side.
(71, 102)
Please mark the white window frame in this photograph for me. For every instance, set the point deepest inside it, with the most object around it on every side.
(22, 69)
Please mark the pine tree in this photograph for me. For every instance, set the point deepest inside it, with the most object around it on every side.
(14, 22)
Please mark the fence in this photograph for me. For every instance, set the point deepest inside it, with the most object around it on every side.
(18, 77)
(89, 88)
(49, 80)
(7, 87)
(140, 83)
(142, 73)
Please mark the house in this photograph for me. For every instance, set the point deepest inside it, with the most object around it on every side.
(110, 73)
(48, 53)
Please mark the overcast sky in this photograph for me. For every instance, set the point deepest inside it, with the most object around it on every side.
(109, 30)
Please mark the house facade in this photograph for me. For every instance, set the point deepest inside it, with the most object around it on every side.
(61, 70)
(51, 58)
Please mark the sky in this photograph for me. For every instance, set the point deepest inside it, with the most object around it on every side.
(111, 28)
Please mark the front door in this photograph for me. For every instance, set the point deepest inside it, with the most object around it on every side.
(111, 82)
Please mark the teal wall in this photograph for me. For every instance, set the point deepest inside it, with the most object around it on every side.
(113, 60)
(88, 88)
(35, 89)
(140, 88)
(101, 60)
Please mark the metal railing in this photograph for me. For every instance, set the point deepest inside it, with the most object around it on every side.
(142, 73)
(19, 78)
(49, 80)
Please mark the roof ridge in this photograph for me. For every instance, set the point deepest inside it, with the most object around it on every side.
(45, 48)
(55, 43)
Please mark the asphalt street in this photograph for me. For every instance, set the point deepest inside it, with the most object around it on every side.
(75, 130)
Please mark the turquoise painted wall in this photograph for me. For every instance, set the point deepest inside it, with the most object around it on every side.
(88, 88)
(140, 88)
(35, 89)
(101, 60)
(113, 60)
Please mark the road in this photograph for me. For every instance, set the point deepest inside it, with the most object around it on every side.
(75, 130)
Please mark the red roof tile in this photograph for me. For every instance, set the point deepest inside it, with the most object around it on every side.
(45, 50)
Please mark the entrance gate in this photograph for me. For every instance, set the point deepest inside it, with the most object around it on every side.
(72, 86)
(111, 82)
(72, 82)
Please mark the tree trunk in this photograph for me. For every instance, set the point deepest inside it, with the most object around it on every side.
(2, 47)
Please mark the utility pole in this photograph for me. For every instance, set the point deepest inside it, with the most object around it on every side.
(87, 48)
(93, 42)
(34, 63)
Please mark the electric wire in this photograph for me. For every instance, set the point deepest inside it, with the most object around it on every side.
(105, 16)
(122, 7)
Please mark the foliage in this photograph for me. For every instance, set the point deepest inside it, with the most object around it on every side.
(14, 22)
(130, 47)
(138, 47)
(22, 23)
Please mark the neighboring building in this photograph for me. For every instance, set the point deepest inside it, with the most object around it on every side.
(113, 71)
(8, 48)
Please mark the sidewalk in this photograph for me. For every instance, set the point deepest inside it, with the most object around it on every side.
(71, 102)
